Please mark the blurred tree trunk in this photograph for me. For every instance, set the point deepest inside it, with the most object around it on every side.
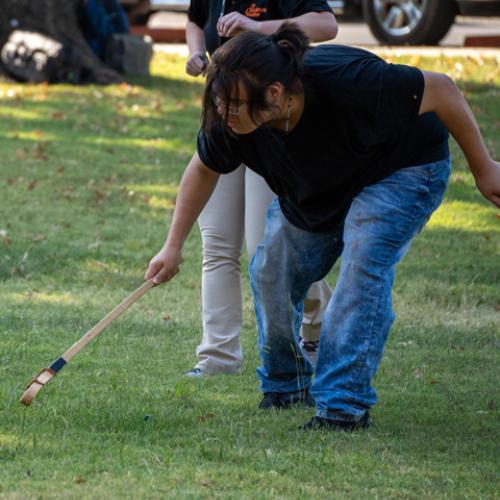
(57, 19)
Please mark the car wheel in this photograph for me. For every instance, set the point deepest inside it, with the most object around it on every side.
(409, 22)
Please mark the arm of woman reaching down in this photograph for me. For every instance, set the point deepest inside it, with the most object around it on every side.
(197, 184)
(443, 97)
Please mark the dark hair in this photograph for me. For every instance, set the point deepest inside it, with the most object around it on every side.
(255, 61)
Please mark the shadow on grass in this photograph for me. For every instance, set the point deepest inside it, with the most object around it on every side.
(96, 119)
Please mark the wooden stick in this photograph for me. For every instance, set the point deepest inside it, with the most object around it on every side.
(97, 329)
(49, 373)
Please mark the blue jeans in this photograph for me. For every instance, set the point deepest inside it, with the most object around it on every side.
(375, 234)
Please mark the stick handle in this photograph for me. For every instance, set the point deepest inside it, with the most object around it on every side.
(97, 329)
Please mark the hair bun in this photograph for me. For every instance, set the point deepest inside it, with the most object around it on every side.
(290, 38)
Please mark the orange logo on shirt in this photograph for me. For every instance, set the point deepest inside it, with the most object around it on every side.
(254, 11)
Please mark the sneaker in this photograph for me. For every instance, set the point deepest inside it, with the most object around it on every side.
(309, 350)
(318, 423)
(285, 400)
(196, 373)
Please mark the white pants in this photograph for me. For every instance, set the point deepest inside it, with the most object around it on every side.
(236, 210)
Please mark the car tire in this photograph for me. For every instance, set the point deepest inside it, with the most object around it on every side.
(416, 22)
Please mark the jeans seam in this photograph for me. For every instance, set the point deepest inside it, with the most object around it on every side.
(420, 198)
(361, 365)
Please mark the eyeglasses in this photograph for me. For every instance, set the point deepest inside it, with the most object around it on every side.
(234, 108)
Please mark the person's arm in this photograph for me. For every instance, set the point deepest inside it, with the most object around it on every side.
(318, 26)
(197, 184)
(197, 62)
(443, 97)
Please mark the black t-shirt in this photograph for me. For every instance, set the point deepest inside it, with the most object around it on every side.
(206, 13)
(360, 124)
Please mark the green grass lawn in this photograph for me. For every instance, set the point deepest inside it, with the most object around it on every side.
(88, 177)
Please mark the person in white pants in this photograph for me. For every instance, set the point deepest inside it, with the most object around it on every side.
(237, 208)
(223, 230)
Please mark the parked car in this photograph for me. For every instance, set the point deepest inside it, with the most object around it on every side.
(392, 22)
(416, 22)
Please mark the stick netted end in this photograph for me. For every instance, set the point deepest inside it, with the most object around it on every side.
(34, 387)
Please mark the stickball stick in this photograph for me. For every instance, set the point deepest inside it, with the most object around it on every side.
(47, 374)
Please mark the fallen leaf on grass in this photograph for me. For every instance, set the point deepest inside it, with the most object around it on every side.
(38, 238)
(16, 270)
(204, 418)
(40, 151)
(133, 91)
(20, 154)
(111, 179)
(99, 197)
(67, 194)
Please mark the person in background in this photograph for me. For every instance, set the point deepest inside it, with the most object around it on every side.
(238, 206)
(99, 20)
(357, 151)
